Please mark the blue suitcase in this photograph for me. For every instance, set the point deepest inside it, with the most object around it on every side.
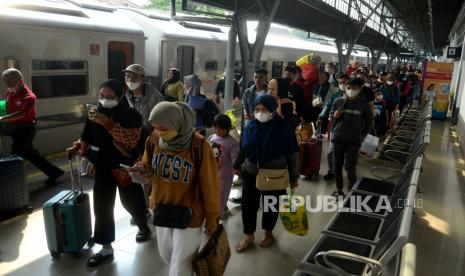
(67, 220)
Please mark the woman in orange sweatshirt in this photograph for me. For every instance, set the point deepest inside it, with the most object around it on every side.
(185, 184)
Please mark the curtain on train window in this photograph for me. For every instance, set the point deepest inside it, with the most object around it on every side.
(185, 60)
(59, 78)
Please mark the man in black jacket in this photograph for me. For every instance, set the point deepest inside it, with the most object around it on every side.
(352, 120)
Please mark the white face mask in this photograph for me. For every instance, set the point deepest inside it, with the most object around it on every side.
(342, 87)
(389, 82)
(262, 117)
(352, 93)
(133, 85)
(367, 85)
(106, 103)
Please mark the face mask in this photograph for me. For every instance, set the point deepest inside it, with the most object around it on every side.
(167, 135)
(262, 117)
(133, 85)
(342, 87)
(352, 93)
(379, 98)
(367, 85)
(106, 103)
(389, 82)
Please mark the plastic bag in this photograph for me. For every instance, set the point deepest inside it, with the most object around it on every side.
(293, 214)
(369, 146)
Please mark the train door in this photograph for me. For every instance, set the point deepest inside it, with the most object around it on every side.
(185, 60)
(120, 55)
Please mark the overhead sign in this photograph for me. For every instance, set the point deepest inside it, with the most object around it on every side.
(454, 52)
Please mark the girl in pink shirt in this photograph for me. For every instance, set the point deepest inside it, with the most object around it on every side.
(229, 148)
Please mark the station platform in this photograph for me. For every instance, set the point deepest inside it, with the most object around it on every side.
(438, 227)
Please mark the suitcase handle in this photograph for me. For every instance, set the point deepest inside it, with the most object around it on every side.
(71, 167)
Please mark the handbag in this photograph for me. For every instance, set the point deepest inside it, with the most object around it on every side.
(172, 216)
(272, 179)
(214, 256)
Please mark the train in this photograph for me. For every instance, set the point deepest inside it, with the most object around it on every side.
(66, 48)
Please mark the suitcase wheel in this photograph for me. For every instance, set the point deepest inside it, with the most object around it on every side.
(54, 254)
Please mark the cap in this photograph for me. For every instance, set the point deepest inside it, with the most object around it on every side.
(135, 68)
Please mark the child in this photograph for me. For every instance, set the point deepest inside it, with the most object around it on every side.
(381, 114)
(229, 148)
(351, 118)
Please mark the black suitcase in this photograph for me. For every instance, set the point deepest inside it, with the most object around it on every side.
(14, 195)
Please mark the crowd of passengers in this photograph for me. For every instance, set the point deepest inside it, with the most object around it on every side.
(160, 134)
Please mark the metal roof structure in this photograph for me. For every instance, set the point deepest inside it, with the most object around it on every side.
(391, 25)
(429, 20)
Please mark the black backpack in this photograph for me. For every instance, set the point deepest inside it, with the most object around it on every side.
(208, 113)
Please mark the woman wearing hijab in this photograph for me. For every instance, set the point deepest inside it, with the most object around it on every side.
(109, 139)
(205, 110)
(172, 87)
(185, 184)
(268, 142)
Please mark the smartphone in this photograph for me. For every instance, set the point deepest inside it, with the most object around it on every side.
(91, 108)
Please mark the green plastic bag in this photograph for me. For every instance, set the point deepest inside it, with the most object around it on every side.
(3, 108)
(293, 214)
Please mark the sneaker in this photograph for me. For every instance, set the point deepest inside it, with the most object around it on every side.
(51, 181)
(143, 235)
(328, 176)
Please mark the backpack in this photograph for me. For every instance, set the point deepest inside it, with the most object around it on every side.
(208, 112)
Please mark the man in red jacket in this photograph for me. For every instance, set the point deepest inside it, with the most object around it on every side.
(20, 123)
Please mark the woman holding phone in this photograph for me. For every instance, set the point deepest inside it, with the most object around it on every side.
(185, 184)
(108, 140)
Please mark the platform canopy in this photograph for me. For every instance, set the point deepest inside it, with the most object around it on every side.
(392, 26)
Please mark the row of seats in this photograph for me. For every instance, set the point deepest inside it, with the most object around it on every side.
(372, 239)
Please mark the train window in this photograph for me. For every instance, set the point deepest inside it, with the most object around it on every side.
(57, 64)
(291, 63)
(59, 78)
(211, 65)
(185, 60)
(277, 69)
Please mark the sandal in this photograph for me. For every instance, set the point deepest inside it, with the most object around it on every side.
(97, 259)
(244, 245)
(267, 240)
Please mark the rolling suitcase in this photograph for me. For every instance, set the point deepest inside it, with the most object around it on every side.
(14, 195)
(67, 219)
(310, 155)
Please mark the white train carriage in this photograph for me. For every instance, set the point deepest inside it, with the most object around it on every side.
(65, 48)
(197, 48)
(65, 51)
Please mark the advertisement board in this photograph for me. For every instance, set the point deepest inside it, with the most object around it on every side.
(437, 80)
